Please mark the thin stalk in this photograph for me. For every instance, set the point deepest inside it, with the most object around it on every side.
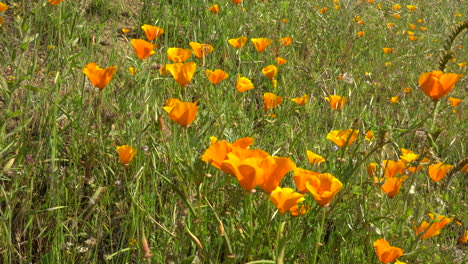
(319, 236)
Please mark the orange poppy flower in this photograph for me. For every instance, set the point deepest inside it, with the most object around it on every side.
(237, 2)
(437, 84)
(152, 32)
(273, 169)
(126, 30)
(432, 229)
(411, 7)
(369, 135)
(296, 211)
(245, 165)
(336, 102)
(243, 84)
(183, 113)
(394, 100)
(454, 101)
(3, 7)
(390, 25)
(126, 154)
(323, 10)
(285, 199)
(270, 71)
(397, 16)
(438, 171)
(280, 61)
(385, 252)
(163, 70)
(178, 55)
(285, 41)
(271, 101)
(387, 50)
(214, 9)
(392, 168)
(55, 2)
(261, 43)
(218, 150)
(182, 72)
(301, 100)
(238, 43)
(463, 239)
(201, 50)
(392, 186)
(461, 64)
(143, 48)
(100, 78)
(361, 34)
(372, 169)
(408, 155)
(314, 158)
(300, 177)
(132, 70)
(340, 137)
(323, 187)
(216, 76)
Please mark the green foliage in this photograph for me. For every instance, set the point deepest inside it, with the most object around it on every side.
(65, 198)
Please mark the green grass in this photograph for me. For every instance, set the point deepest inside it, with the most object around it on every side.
(66, 198)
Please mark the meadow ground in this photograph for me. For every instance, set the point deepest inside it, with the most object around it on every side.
(222, 174)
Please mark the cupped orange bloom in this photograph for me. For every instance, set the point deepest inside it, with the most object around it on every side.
(237, 2)
(216, 76)
(385, 252)
(143, 48)
(270, 71)
(218, 150)
(152, 32)
(261, 43)
(245, 165)
(296, 211)
(178, 55)
(274, 169)
(285, 41)
(372, 169)
(396, 7)
(280, 61)
(411, 7)
(243, 84)
(271, 100)
(3, 7)
(408, 155)
(238, 43)
(454, 101)
(369, 135)
(438, 171)
(361, 34)
(182, 72)
(126, 154)
(392, 186)
(314, 158)
(55, 2)
(392, 168)
(432, 229)
(300, 178)
(463, 239)
(437, 84)
(100, 78)
(285, 199)
(214, 9)
(387, 50)
(336, 102)
(301, 100)
(323, 187)
(183, 113)
(342, 137)
(201, 50)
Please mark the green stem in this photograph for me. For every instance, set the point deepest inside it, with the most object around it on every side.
(434, 115)
(281, 242)
(319, 236)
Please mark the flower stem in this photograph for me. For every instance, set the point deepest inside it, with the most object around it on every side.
(434, 115)
(319, 236)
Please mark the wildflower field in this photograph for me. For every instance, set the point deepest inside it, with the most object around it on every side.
(233, 131)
